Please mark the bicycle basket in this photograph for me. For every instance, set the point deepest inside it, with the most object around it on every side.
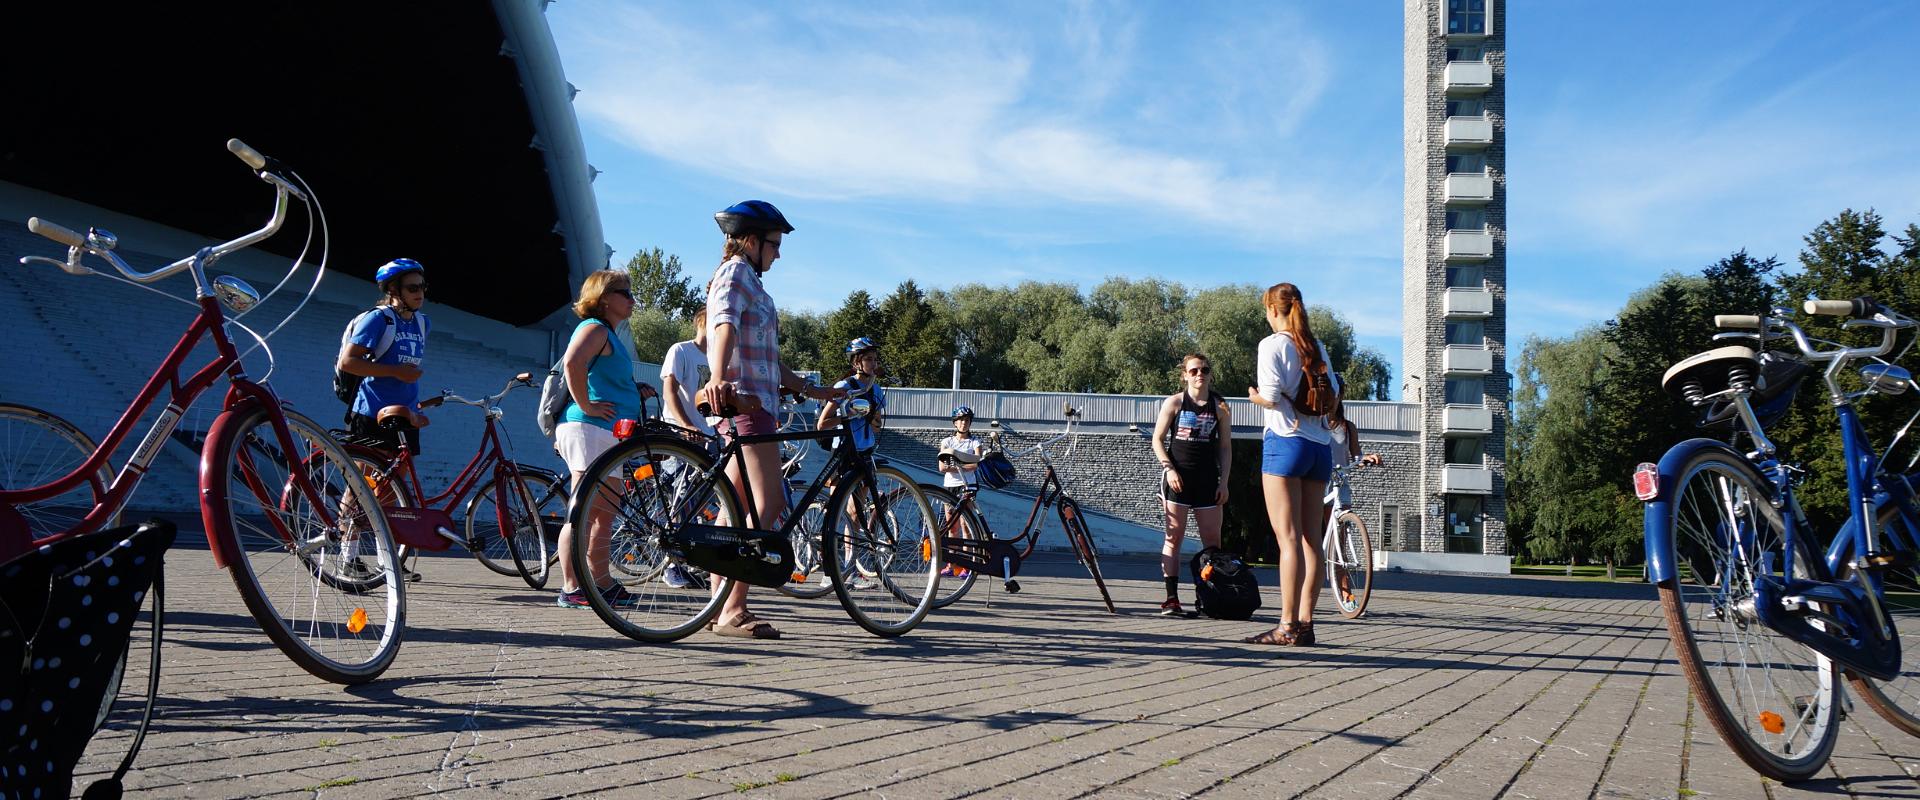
(996, 471)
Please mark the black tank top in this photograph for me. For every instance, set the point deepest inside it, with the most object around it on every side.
(1196, 436)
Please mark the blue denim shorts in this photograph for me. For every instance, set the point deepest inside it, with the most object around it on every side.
(1295, 457)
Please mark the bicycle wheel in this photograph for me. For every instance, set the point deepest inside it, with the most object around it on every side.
(1083, 548)
(1350, 565)
(504, 530)
(1771, 699)
(550, 496)
(809, 575)
(955, 522)
(641, 491)
(882, 552)
(1898, 700)
(303, 568)
(393, 491)
(38, 448)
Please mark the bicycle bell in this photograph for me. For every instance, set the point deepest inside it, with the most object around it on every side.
(859, 407)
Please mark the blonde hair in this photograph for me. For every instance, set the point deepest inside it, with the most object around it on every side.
(595, 288)
(741, 246)
(1284, 300)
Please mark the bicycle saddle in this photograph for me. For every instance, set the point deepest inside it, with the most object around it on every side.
(69, 609)
(399, 418)
(1702, 374)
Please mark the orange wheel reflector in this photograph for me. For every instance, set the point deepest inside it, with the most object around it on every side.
(628, 557)
(709, 514)
(926, 549)
(1772, 722)
(1206, 572)
(798, 577)
(358, 621)
(643, 472)
(1067, 511)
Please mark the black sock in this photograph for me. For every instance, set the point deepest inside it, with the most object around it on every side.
(1173, 587)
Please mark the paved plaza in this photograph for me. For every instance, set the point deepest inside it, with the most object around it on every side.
(1452, 687)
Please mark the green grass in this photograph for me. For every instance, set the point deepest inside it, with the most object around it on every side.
(1171, 762)
(1633, 574)
(333, 784)
(745, 786)
(327, 743)
(785, 777)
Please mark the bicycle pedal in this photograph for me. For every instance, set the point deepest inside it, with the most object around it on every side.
(1891, 559)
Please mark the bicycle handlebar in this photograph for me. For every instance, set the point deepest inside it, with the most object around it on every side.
(101, 244)
(522, 379)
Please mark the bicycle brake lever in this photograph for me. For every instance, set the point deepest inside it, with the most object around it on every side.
(70, 268)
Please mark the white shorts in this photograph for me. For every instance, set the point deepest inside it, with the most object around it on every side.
(580, 443)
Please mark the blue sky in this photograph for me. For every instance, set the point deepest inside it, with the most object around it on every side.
(1215, 143)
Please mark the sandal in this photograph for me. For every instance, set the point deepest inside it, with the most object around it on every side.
(746, 626)
(1281, 635)
(1303, 633)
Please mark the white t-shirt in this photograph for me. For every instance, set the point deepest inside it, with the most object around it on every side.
(1278, 368)
(686, 363)
(973, 446)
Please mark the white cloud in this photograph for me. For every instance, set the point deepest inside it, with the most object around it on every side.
(921, 109)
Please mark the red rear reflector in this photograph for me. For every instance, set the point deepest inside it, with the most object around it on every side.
(1646, 481)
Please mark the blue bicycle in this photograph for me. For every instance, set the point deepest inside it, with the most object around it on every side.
(1764, 630)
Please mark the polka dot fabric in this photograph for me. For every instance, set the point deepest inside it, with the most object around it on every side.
(66, 611)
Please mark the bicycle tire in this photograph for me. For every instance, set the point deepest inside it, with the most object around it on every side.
(1898, 700)
(652, 473)
(805, 538)
(891, 531)
(1075, 525)
(1350, 561)
(248, 498)
(1747, 680)
(41, 448)
(954, 521)
(523, 554)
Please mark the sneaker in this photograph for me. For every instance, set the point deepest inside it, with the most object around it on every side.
(618, 596)
(676, 577)
(861, 583)
(411, 576)
(1171, 608)
(826, 581)
(573, 599)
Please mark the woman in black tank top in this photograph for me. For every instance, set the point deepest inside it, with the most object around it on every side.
(1193, 438)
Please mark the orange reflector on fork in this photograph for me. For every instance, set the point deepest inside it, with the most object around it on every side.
(643, 472)
(357, 622)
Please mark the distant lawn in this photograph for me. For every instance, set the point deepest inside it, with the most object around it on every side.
(1633, 574)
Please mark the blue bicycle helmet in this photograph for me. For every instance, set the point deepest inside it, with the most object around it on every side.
(752, 216)
(396, 268)
(860, 345)
(962, 411)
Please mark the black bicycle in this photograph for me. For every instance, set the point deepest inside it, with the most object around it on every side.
(672, 504)
(971, 547)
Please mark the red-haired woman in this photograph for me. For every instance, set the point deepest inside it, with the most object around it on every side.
(1295, 461)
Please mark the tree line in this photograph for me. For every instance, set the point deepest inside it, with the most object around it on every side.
(1123, 337)
(1589, 407)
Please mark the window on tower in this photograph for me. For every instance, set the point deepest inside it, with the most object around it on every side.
(1466, 107)
(1466, 450)
(1470, 332)
(1465, 518)
(1466, 391)
(1467, 17)
(1466, 276)
(1471, 163)
(1466, 219)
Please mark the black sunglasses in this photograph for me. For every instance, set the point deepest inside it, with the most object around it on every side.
(420, 287)
(626, 293)
(1200, 370)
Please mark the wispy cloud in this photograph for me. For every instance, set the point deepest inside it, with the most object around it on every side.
(928, 108)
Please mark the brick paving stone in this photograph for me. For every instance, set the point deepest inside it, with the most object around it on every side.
(1451, 687)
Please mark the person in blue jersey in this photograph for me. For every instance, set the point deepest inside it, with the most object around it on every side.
(598, 366)
(862, 381)
(385, 346)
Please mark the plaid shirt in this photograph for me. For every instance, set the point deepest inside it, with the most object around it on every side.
(735, 296)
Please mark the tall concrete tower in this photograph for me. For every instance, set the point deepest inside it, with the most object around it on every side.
(1454, 296)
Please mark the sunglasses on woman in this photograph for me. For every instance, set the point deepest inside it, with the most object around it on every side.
(1200, 370)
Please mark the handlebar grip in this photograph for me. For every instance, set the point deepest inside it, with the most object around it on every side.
(247, 154)
(56, 232)
(1746, 321)
(1857, 307)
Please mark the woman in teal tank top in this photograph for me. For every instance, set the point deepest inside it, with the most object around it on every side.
(599, 367)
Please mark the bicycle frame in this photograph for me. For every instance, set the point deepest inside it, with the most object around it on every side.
(969, 553)
(241, 392)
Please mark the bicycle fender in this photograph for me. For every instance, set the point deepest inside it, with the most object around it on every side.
(213, 488)
(1655, 525)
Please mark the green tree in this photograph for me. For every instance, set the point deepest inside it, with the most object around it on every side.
(914, 340)
(800, 339)
(1228, 323)
(654, 332)
(854, 318)
(657, 283)
(984, 327)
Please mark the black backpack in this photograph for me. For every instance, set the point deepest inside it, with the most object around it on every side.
(346, 386)
(1223, 585)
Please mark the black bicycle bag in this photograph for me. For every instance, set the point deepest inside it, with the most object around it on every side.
(1223, 585)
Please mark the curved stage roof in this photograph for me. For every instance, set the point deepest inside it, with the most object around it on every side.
(439, 131)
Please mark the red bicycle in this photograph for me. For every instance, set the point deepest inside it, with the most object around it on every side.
(513, 519)
(282, 502)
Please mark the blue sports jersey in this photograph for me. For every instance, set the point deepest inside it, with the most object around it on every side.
(409, 347)
(862, 428)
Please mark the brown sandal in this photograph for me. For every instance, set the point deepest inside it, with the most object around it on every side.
(1282, 636)
(747, 626)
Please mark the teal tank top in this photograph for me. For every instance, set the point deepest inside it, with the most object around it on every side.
(609, 379)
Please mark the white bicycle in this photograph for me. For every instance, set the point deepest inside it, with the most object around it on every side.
(1348, 549)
